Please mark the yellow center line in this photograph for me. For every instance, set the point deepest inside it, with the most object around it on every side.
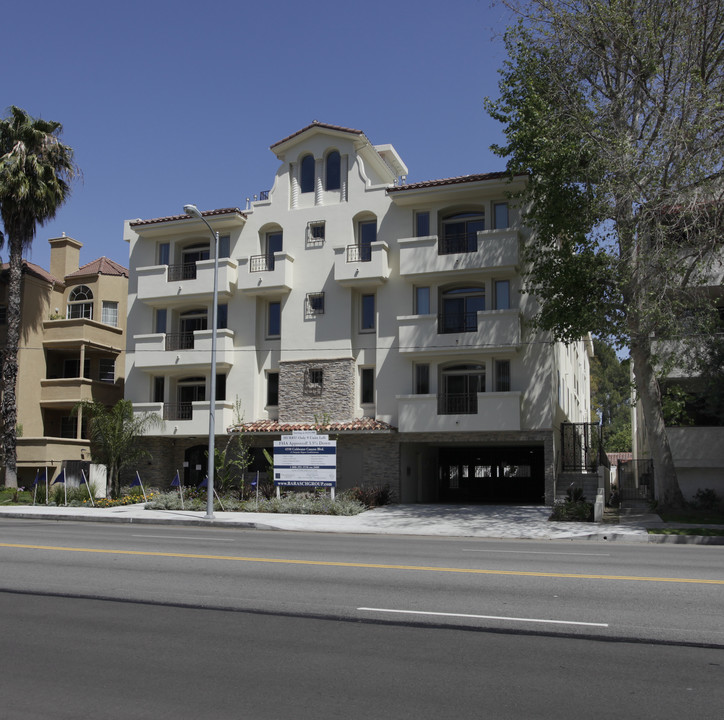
(374, 566)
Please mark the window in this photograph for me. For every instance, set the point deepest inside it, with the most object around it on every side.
(220, 388)
(3, 314)
(367, 319)
(68, 426)
(315, 303)
(460, 232)
(502, 376)
(161, 320)
(366, 235)
(422, 379)
(333, 172)
(159, 386)
(460, 307)
(80, 303)
(422, 224)
(502, 294)
(107, 370)
(500, 215)
(224, 246)
(313, 379)
(163, 253)
(274, 319)
(422, 301)
(316, 230)
(71, 368)
(109, 313)
(306, 180)
(460, 387)
(222, 316)
(367, 386)
(274, 244)
(272, 389)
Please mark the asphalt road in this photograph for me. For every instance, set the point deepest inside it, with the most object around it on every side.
(150, 621)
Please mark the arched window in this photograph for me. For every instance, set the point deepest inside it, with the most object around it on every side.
(460, 232)
(307, 174)
(460, 307)
(80, 303)
(460, 387)
(332, 171)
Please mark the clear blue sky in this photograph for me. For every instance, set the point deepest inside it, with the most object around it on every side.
(167, 103)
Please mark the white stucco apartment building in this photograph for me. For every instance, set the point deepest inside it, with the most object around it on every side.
(391, 314)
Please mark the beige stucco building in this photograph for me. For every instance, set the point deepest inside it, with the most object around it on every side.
(393, 314)
(72, 348)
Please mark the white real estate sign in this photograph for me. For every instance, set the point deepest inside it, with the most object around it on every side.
(305, 459)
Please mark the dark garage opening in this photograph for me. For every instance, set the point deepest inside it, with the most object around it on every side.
(504, 475)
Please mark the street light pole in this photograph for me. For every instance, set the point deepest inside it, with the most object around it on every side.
(193, 211)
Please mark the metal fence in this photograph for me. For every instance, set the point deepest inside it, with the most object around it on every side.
(582, 447)
(635, 480)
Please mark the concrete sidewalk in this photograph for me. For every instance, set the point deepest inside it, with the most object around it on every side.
(480, 521)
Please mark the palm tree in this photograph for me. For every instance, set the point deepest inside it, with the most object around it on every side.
(113, 433)
(35, 174)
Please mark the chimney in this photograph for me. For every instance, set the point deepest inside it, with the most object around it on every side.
(64, 256)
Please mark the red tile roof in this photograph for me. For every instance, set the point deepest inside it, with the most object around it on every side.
(36, 270)
(318, 124)
(276, 427)
(451, 181)
(206, 213)
(101, 266)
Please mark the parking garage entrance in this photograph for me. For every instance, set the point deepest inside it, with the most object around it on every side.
(505, 475)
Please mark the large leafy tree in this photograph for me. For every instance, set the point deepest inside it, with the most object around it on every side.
(615, 109)
(36, 169)
(611, 396)
(113, 434)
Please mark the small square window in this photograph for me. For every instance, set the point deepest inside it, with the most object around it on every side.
(313, 379)
(224, 246)
(315, 233)
(502, 294)
(107, 370)
(159, 385)
(422, 379)
(502, 376)
(109, 313)
(316, 375)
(163, 253)
(315, 303)
(3, 315)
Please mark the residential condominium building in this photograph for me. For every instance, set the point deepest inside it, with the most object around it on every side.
(72, 349)
(391, 315)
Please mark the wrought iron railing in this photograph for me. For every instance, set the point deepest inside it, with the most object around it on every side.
(457, 322)
(182, 271)
(180, 341)
(457, 404)
(178, 411)
(582, 447)
(635, 480)
(261, 263)
(458, 243)
(359, 253)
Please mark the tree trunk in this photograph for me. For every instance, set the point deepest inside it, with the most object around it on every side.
(647, 387)
(10, 364)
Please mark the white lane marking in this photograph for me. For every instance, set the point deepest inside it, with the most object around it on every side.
(484, 617)
(183, 537)
(534, 552)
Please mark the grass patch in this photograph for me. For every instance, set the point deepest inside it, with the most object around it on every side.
(692, 516)
(711, 532)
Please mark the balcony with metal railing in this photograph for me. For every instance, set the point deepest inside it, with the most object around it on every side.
(188, 418)
(183, 351)
(466, 253)
(171, 284)
(362, 265)
(479, 332)
(267, 274)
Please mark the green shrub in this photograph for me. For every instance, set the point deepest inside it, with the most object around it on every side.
(372, 495)
(707, 499)
(574, 508)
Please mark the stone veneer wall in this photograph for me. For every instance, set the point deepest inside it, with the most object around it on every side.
(380, 460)
(301, 402)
